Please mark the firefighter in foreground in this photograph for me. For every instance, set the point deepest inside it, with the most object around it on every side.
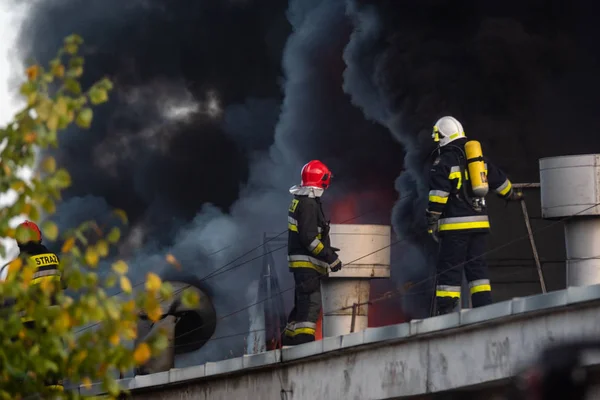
(460, 177)
(310, 255)
(47, 264)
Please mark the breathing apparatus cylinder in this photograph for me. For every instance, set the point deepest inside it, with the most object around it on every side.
(476, 168)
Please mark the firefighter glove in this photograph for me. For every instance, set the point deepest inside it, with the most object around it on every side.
(432, 224)
(515, 195)
(336, 265)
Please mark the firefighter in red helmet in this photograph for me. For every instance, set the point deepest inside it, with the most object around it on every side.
(310, 255)
(47, 264)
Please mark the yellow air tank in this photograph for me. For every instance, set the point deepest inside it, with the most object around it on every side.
(476, 168)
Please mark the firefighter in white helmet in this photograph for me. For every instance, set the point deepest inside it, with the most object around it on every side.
(460, 177)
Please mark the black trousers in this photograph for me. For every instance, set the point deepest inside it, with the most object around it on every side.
(302, 321)
(462, 251)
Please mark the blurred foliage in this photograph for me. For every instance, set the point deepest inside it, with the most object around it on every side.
(88, 337)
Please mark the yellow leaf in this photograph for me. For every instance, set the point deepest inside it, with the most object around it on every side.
(52, 122)
(50, 230)
(27, 274)
(129, 306)
(26, 209)
(63, 322)
(49, 165)
(122, 215)
(102, 248)
(173, 261)
(68, 245)
(32, 72)
(153, 282)
(58, 70)
(91, 257)
(30, 137)
(7, 170)
(154, 313)
(114, 339)
(142, 353)
(14, 266)
(87, 383)
(120, 267)
(130, 332)
(125, 284)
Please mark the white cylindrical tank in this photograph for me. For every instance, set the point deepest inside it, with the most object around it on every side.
(365, 253)
(570, 189)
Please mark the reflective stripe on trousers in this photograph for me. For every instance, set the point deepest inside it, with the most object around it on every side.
(480, 285)
(460, 223)
(447, 291)
(300, 328)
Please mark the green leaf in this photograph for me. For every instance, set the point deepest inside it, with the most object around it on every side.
(84, 118)
(73, 39)
(49, 206)
(49, 165)
(189, 298)
(76, 62)
(102, 248)
(72, 86)
(50, 230)
(62, 179)
(160, 342)
(98, 96)
(23, 235)
(114, 235)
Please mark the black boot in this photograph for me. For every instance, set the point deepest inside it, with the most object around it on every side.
(445, 305)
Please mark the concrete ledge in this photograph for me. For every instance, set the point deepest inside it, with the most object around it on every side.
(473, 347)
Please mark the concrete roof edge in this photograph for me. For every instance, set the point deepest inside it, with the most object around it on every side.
(416, 329)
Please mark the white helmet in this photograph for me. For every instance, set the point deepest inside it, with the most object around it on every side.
(446, 130)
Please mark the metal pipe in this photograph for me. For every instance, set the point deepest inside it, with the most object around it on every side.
(536, 257)
(570, 188)
(582, 238)
(365, 252)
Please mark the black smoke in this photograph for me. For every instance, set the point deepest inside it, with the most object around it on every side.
(518, 75)
(219, 104)
(216, 108)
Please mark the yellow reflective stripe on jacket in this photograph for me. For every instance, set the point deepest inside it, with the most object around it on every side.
(447, 291)
(316, 247)
(44, 260)
(438, 196)
(480, 285)
(300, 261)
(464, 223)
(293, 226)
(455, 174)
(504, 188)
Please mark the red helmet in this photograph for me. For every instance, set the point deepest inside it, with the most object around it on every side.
(36, 233)
(316, 174)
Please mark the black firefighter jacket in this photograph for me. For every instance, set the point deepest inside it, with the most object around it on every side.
(308, 236)
(47, 267)
(449, 196)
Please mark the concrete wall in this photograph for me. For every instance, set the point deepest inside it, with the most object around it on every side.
(457, 351)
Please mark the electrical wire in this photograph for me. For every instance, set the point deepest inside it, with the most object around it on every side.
(402, 291)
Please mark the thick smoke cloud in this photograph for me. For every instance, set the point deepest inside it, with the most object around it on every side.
(503, 70)
(219, 104)
(213, 116)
